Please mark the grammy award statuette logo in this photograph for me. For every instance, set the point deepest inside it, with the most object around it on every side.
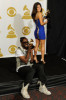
(39, 49)
(11, 33)
(1, 55)
(27, 13)
(41, 0)
(43, 12)
(0, 17)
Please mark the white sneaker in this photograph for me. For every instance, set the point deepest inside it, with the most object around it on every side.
(24, 91)
(44, 90)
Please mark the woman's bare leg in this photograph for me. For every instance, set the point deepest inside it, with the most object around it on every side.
(42, 49)
(36, 48)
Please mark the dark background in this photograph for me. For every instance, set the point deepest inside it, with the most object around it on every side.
(56, 29)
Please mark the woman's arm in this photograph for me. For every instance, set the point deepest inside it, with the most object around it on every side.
(41, 19)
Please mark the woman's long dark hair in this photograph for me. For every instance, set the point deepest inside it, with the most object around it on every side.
(34, 11)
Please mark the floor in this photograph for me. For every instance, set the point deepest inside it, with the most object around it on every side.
(58, 93)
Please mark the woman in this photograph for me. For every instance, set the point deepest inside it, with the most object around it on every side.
(39, 31)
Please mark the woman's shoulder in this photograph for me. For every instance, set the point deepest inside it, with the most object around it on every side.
(38, 14)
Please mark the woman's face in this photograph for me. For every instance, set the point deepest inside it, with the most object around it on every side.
(38, 8)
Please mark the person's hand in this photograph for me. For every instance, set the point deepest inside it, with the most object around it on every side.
(45, 21)
(29, 48)
(30, 45)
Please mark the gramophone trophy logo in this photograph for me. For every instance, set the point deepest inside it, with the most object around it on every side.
(27, 13)
(11, 33)
(12, 49)
(43, 12)
(41, 0)
(0, 31)
(0, 17)
(26, 30)
(39, 49)
(11, 11)
(1, 53)
(31, 43)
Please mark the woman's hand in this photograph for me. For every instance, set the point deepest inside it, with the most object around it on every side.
(41, 19)
(45, 21)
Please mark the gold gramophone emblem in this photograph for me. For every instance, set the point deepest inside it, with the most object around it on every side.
(11, 33)
(0, 17)
(39, 49)
(40, 0)
(26, 30)
(12, 49)
(1, 53)
(43, 12)
(47, 12)
(31, 43)
(31, 40)
(27, 13)
(11, 11)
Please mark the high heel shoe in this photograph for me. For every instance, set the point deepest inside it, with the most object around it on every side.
(35, 61)
(43, 61)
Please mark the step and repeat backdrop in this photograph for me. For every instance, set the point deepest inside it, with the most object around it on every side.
(16, 22)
